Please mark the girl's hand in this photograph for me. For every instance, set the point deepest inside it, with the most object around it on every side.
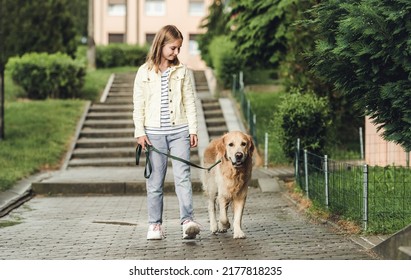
(143, 140)
(193, 140)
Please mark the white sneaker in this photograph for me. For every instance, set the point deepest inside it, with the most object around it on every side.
(190, 229)
(155, 232)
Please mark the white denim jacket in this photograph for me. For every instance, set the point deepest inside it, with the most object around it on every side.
(147, 99)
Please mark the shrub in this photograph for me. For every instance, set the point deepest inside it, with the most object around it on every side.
(115, 55)
(303, 116)
(224, 59)
(43, 75)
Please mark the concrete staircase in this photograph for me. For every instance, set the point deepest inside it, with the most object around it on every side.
(106, 138)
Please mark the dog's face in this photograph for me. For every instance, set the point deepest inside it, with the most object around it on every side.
(236, 147)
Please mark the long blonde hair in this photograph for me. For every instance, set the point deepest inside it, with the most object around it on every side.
(165, 35)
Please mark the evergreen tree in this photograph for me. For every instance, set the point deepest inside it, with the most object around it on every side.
(365, 52)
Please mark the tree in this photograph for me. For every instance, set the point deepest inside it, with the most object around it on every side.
(215, 24)
(260, 30)
(365, 52)
(33, 26)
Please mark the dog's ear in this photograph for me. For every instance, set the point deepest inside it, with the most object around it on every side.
(251, 145)
(221, 147)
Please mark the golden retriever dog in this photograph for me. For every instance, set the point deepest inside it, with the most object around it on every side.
(227, 182)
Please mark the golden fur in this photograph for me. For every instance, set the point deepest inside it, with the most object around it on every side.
(227, 183)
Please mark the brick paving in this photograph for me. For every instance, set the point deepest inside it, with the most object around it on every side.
(114, 227)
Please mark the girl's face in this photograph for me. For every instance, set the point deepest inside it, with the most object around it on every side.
(171, 50)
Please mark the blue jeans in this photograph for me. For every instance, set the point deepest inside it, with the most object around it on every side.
(178, 145)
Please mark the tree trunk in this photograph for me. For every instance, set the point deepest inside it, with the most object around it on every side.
(91, 49)
(2, 94)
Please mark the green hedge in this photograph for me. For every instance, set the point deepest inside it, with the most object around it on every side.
(43, 75)
(303, 116)
(115, 55)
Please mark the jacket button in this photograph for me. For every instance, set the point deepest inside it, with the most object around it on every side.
(171, 112)
(169, 90)
(171, 101)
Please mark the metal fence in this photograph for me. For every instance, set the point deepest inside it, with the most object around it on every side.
(379, 198)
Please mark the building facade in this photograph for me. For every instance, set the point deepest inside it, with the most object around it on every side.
(137, 21)
(381, 152)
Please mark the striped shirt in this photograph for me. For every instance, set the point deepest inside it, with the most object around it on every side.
(165, 123)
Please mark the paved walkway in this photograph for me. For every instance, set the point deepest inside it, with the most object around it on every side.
(114, 227)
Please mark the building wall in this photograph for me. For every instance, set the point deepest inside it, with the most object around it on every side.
(380, 152)
(138, 24)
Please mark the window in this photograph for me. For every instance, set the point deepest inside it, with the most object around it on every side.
(196, 8)
(155, 7)
(193, 44)
(115, 38)
(116, 8)
(150, 38)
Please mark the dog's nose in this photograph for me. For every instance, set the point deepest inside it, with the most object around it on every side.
(238, 156)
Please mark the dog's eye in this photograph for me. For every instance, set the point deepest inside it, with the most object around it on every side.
(231, 144)
(243, 144)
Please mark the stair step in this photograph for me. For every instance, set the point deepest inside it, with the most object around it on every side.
(217, 131)
(106, 133)
(109, 115)
(109, 123)
(104, 107)
(213, 122)
(105, 142)
(100, 162)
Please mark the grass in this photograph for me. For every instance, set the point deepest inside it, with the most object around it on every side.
(38, 133)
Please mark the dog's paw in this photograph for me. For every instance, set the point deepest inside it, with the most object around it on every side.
(239, 235)
(213, 228)
(223, 227)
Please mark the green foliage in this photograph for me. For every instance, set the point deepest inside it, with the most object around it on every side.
(365, 52)
(224, 59)
(303, 116)
(261, 30)
(115, 55)
(36, 26)
(215, 24)
(44, 75)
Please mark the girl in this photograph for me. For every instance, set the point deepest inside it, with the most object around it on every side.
(165, 116)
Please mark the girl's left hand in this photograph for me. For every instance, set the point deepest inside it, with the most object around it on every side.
(193, 140)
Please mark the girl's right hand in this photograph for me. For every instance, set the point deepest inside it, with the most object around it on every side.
(143, 140)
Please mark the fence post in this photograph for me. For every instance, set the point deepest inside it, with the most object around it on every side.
(306, 171)
(254, 131)
(266, 150)
(241, 80)
(297, 158)
(361, 144)
(234, 85)
(326, 180)
(248, 113)
(365, 196)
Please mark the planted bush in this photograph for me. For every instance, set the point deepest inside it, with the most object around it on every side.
(115, 55)
(43, 75)
(224, 60)
(303, 116)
